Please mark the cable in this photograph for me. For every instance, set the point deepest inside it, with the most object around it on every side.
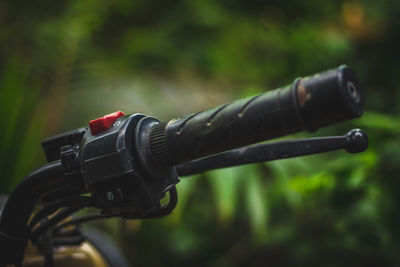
(20, 203)
(19, 206)
(164, 210)
(46, 225)
(50, 208)
(82, 219)
(71, 241)
(56, 194)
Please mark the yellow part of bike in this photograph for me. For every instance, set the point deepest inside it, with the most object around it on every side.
(83, 255)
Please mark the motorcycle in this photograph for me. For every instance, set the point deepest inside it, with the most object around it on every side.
(124, 165)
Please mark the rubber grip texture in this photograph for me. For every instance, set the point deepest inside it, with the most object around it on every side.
(306, 104)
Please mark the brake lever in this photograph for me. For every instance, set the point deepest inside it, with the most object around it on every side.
(354, 141)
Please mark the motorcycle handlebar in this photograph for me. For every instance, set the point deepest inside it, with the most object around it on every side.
(307, 104)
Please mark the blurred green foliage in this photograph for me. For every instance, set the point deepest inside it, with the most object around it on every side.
(66, 62)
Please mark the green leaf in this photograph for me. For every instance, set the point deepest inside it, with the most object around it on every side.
(185, 188)
(225, 187)
(256, 202)
(381, 121)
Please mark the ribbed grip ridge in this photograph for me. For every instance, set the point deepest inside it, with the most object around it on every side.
(158, 142)
(307, 104)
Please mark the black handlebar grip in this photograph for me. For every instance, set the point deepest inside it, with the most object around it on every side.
(307, 104)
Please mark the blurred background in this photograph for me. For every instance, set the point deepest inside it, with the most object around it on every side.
(63, 63)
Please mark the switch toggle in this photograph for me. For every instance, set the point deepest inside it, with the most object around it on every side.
(104, 123)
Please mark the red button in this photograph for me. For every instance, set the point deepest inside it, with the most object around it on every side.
(101, 124)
